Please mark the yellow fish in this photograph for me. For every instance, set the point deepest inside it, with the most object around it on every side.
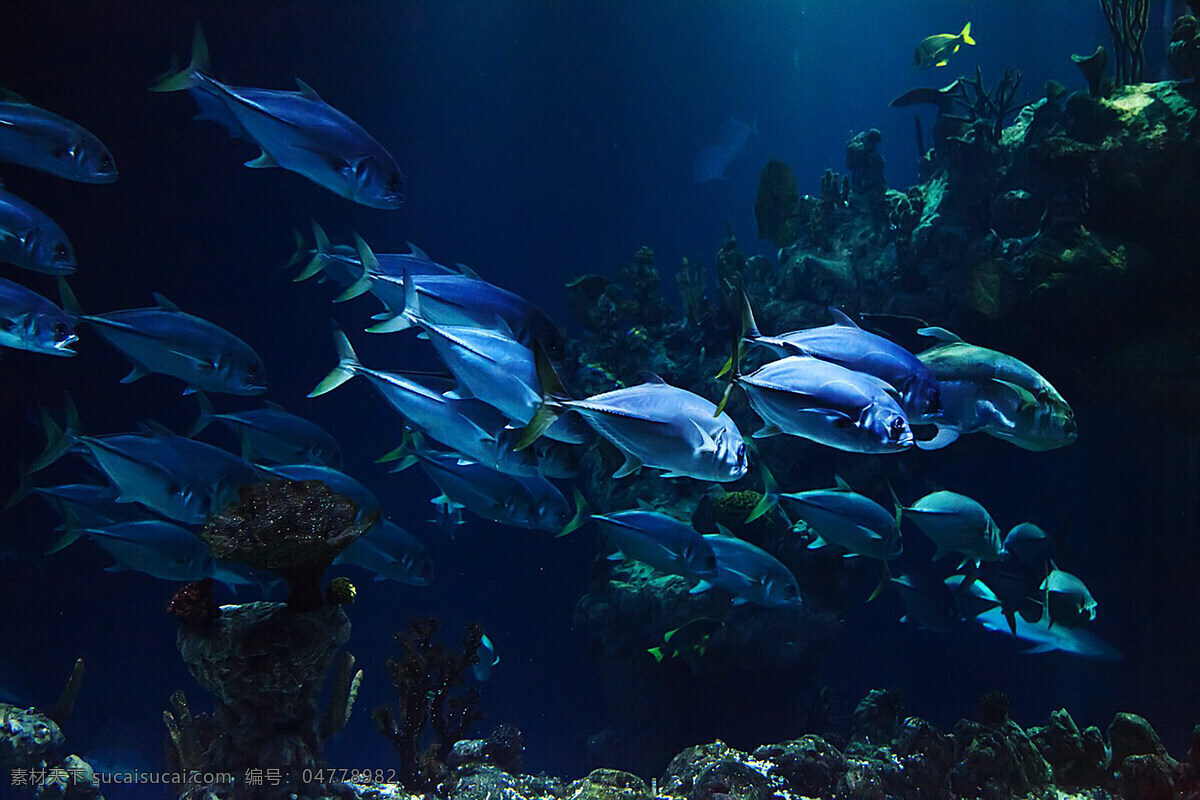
(934, 50)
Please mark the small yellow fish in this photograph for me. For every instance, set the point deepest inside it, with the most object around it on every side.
(933, 51)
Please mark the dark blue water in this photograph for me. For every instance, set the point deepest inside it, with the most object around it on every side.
(539, 141)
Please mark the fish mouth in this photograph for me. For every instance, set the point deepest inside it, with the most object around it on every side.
(255, 388)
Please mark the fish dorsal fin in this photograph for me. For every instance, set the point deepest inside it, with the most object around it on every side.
(9, 96)
(271, 404)
(466, 271)
(164, 303)
(648, 376)
(308, 91)
(841, 484)
(941, 334)
(841, 319)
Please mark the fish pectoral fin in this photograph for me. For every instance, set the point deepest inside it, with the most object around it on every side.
(700, 587)
(1024, 395)
(632, 464)
(993, 415)
(707, 445)
(944, 436)
(870, 534)
(817, 543)
(264, 161)
(201, 364)
(770, 429)
(135, 372)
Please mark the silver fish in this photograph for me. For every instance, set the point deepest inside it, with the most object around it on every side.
(523, 502)
(43, 140)
(468, 426)
(30, 322)
(1068, 601)
(846, 344)
(488, 660)
(956, 524)
(297, 131)
(985, 390)
(828, 404)
(750, 574)
(654, 425)
(160, 549)
(30, 239)
(661, 541)
(164, 340)
(849, 520)
(272, 434)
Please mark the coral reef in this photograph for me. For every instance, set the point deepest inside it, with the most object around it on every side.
(888, 757)
(33, 757)
(265, 663)
(293, 528)
(265, 666)
(428, 678)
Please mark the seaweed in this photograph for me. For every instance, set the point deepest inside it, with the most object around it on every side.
(983, 106)
(426, 678)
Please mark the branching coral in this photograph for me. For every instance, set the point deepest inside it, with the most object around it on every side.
(992, 107)
(1128, 21)
(426, 678)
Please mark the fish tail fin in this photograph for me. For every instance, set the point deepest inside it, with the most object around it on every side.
(581, 515)
(966, 34)
(552, 393)
(301, 251)
(320, 253)
(347, 367)
(884, 580)
(70, 303)
(770, 495)
(370, 265)
(895, 502)
(24, 489)
(733, 369)
(657, 652)
(405, 452)
(180, 80)
(207, 413)
(58, 442)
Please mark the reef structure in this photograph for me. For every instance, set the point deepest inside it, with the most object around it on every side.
(265, 663)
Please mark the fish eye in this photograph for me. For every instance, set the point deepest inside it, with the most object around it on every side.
(61, 331)
(897, 428)
(61, 250)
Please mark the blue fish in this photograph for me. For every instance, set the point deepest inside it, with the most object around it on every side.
(849, 520)
(164, 340)
(712, 161)
(341, 264)
(392, 553)
(465, 425)
(297, 131)
(1044, 637)
(30, 239)
(750, 574)
(488, 660)
(445, 298)
(523, 502)
(273, 435)
(846, 344)
(42, 140)
(30, 322)
(957, 524)
(661, 541)
(80, 506)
